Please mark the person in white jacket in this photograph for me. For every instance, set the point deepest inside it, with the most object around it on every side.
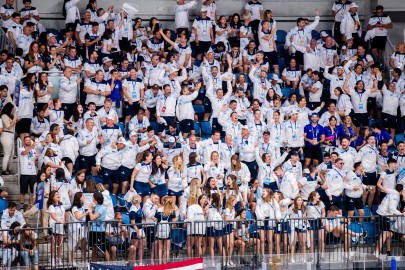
(219, 103)
(242, 173)
(344, 106)
(336, 79)
(368, 156)
(294, 132)
(388, 207)
(109, 160)
(267, 214)
(286, 183)
(195, 227)
(181, 14)
(334, 184)
(88, 139)
(166, 106)
(69, 147)
(301, 35)
(266, 164)
(260, 84)
(185, 110)
(351, 26)
(131, 151)
(68, 92)
(354, 189)
(231, 126)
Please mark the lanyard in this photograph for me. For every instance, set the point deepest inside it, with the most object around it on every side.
(294, 130)
(234, 131)
(316, 208)
(361, 77)
(360, 94)
(277, 130)
(245, 142)
(266, 151)
(260, 124)
(374, 150)
(360, 176)
(314, 134)
(339, 173)
(58, 113)
(268, 172)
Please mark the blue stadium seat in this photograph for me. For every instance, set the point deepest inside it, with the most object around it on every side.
(198, 109)
(3, 206)
(113, 199)
(280, 50)
(249, 214)
(315, 34)
(281, 63)
(328, 31)
(372, 232)
(286, 92)
(367, 212)
(355, 227)
(269, 75)
(197, 128)
(121, 125)
(399, 138)
(155, 126)
(374, 208)
(206, 129)
(125, 218)
(281, 34)
(178, 238)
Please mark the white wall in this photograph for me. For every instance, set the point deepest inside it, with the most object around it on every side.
(392, 5)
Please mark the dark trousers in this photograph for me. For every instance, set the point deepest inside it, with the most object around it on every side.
(252, 166)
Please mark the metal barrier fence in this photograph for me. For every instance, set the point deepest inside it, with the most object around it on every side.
(326, 239)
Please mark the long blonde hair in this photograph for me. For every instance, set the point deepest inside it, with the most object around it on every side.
(270, 196)
(194, 187)
(229, 202)
(176, 166)
(192, 200)
(238, 166)
(168, 206)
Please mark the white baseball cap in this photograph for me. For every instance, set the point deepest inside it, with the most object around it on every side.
(352, 5)
(293, 112)
(121, 140)
(324, 34)
(106, 59)
(133, 133)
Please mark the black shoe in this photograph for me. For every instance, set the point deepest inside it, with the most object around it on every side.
(388, 253)
(5, 173)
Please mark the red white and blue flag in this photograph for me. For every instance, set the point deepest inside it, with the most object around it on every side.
(193, 264)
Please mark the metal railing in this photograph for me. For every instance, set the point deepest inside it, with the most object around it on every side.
(319, 240)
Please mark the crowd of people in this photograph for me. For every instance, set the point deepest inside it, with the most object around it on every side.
(226, 119)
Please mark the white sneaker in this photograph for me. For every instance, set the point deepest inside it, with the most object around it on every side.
(377, 254)
(74, 263)
(141, 264)
(59, 261)
(231, 263)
